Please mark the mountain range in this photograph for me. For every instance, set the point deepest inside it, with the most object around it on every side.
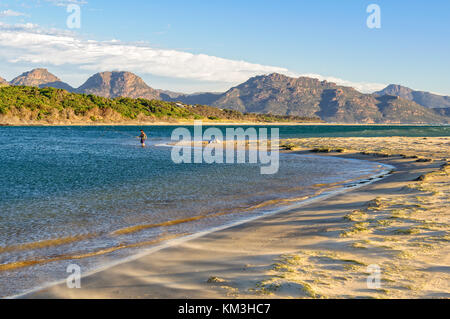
(273, 94)
(280, 94)
(420, 97)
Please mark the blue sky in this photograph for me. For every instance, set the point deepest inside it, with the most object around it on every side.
(201, 45)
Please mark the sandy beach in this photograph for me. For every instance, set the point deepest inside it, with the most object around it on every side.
(327, 249)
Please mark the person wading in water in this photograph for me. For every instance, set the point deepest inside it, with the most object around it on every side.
(143, 137)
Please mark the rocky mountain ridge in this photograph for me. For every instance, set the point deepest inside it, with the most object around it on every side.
(267, 94)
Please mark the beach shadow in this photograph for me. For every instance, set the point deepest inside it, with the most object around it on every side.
(445, 269)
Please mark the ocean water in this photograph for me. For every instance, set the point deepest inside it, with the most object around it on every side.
(91, 196)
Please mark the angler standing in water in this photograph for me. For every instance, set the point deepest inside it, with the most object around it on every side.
(143, 137)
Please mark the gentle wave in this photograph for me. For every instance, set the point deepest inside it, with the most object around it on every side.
(140, 227)
(325, 187)
(32, 262)
(46, 243)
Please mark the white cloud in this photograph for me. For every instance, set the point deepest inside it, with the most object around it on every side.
(65, 3)
(28, 43)
(11, 13)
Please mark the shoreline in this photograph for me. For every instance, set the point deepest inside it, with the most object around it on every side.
(211, 123)
(344, 187)
(188, 123)
(258, 259)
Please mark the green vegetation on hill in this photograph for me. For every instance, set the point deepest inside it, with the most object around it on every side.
(48, 99)
(50, 104)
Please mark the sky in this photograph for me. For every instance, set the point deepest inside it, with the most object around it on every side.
(198, 45)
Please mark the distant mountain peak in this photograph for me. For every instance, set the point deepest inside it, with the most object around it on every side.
(3, 82)
(397, 90)
(299, 81)
(40, 78)
(276, 76)
(426, 99)
(113, 84)
(393, 86)
(35, 77)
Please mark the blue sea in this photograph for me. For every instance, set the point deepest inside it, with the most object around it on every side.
(92, 196)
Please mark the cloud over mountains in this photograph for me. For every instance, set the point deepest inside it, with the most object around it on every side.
(29, 43)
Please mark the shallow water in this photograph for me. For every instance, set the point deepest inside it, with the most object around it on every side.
(91, 195)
